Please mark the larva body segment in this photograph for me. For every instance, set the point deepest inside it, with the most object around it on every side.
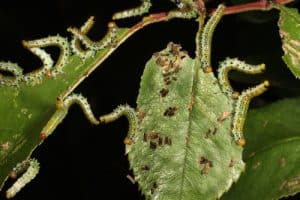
(140, 10)
(32, 170)
(12, 68)
(36, 76)
(75, 42)
(63, 106)
(106, 41)
(187, 9)
(61, 42)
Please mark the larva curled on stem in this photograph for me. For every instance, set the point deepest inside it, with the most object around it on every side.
(204, 49)
(234, 64)
(31, 168)
(123, 110)
(242, 106)
(14, 69)
(36, 76)
(75, 42)
(140, 10)
(186, 9)
(63, 106)
(58, 41)
(106, 41)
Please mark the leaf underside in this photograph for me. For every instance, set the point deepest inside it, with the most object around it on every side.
(180, 103)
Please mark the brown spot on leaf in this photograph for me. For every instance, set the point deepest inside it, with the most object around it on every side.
(160, 141)
(140, 115)
(168, 140)
(214, 131)
(211, 131)
(224, 115)
(168, 82)
(170, 111)
(153, 188)
(153, 145)
(166, 79)
(174, 65)
(145, 168)
(206, 165)
(231, 163)
(207, 134)
(163, 62)
(145, 138)
(175, 49)
(163, 92)
(204, 160)
(153, 135)
(167, 74)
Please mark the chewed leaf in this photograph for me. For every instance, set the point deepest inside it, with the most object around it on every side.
(289, 24)
(271, 154)
(28, 101)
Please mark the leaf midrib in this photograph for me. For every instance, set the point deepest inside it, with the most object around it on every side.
(188, 132)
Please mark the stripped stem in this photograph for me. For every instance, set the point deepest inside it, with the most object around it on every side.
(262, 5)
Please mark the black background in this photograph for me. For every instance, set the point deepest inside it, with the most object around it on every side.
(81, 161)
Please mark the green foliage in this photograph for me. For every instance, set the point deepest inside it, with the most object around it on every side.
(272, 155)
(26, 108)
(289, 24)
(182, 150)
(200, 150)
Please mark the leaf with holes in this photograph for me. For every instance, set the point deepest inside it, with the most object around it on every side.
(289, 24)
(30, 103)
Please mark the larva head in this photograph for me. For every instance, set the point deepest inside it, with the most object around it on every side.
(208, 69)
(241, 142)
(13, 174)
(235, 95)
(127, 141)
(43, 136)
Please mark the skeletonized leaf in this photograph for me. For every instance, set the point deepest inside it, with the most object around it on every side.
(272, 153)
(289, 24)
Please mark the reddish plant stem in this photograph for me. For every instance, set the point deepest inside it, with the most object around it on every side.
(258, 5)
